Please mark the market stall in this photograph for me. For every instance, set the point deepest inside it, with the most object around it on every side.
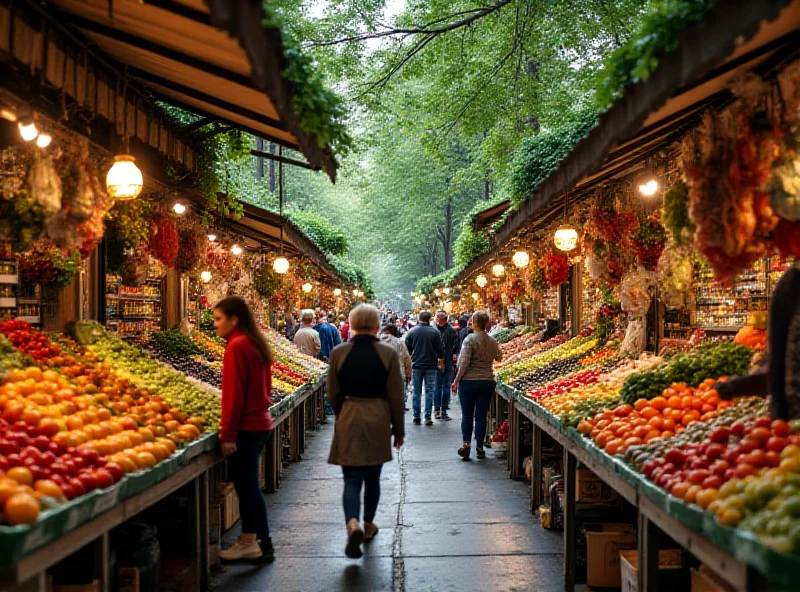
(677, 239)
(109, 368)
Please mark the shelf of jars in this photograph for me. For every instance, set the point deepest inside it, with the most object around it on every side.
(134, 310)
(548, 304)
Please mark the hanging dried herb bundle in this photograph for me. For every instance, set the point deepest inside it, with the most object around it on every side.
(164, 240)
(556, 268)
(192, 247)
(135, 265)
(676, 213)
(47, 265)
(649, 240)
(266, 282)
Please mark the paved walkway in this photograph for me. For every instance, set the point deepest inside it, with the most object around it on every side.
(446, 525)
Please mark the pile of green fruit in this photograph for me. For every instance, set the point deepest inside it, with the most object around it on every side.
(174, 342)
(711, 360)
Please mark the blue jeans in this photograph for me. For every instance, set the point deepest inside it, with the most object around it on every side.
(475, 397)
(354, 478)
(441, 399)
(243, 465)
(429, 376)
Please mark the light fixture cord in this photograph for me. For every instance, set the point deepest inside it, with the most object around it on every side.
(280, 191)
(566, 205)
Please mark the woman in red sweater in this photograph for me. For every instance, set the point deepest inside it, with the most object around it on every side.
(246, 425)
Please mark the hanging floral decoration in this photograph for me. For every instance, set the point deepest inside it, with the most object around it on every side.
(676, 214)
(192, 241)
(536, 274)
(648, 241)
(607, 244)
(135, 265)
(634, 292)
(127, 225)
(164, 239)
(47, 265)
(266, 282)
(606, 320)
(556, 268)
(728, 162)
(676, 275)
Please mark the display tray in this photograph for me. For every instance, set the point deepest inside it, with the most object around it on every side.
(16, 542)
(744, 546)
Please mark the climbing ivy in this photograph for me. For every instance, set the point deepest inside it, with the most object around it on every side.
(639, 57)
(427, 284)
(324, 234)
(540, 155)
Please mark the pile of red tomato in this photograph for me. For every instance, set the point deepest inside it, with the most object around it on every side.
(565, 384)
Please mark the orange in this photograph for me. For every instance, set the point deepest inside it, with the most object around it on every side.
(126, 463)
(21, 475)
(651, 435)
(21, 508)
(602, 438)
(691, 494)
(169, 444)
(667, 434)
(679, 489)
(8, 487)
(633, 441)
(621, 411)
(705, 497)
(668, 424)
(650, 412)
(584, 427)
(640, 431)
(48, 488)
(146, 459)
(147, 434)
(160, 451)
(686, 401)
(657, 423)
(659, 403)
(674, 402)
(613, 447)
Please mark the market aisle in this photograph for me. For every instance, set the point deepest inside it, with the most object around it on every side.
(462, 526)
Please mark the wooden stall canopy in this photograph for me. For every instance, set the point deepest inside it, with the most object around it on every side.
(735, 36)
(212, 57)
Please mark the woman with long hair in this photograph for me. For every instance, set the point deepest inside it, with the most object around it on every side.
(246, 425)
(475, 383)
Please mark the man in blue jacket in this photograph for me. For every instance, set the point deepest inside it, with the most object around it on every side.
(441, 401)
(328, 337)
(424, 343)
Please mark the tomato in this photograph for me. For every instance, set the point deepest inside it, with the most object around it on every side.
(15, 460)
(697, 476)
(42, 443)
(714, 451)
(103, 478)
(761, 434)
(116, 471)
(756, 458)
(675, 456)
(729, 474)
(73, 488)
(713, 482)
(777, 443)
(781, 428)
(679, 489)
(749, 444)
(762, 422)
(90, 455)
(732, 455)
(88, 481)
(745, 469)
(719, 435)
(720, 467)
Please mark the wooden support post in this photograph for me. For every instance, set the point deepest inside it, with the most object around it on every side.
(271, 462)
(204, 500)
(196, 538)
(536, 469)
(570, 474)
(301, 432)
(648, 547)
(513, 442)
(102, 561)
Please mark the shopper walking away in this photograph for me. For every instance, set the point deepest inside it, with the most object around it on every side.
(441, 400)
(307, 339)
(475, 383)
(391, 335)
(424, 343)
(329, 338)
(365, 389)
(291, 326)
(245, 425)
(463, 330)
(344, 332)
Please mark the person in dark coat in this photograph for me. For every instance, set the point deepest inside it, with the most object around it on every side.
(441, 400)
(424, 343)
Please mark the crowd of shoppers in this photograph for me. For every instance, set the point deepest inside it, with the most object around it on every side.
(369, 374)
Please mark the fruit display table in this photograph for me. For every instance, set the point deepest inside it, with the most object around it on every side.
(95, 434)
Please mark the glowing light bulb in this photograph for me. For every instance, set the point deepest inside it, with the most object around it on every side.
(307, 287)
(566, 238)
(43, 141)
(481, 281)
(446, 291)
(212, 237)
(281, 265)
(337, 292)
(124, 179)
(179, 208)
(236, 250)
(498, 270)
(521, 259)
(205, 276)
(649, 188)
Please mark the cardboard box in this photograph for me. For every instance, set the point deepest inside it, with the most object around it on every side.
(602, 552)
(590, 488)
(229, 505)
(213, 554)
(669, 569)
(705, 580)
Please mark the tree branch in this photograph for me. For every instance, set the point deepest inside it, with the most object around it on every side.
(426, 29)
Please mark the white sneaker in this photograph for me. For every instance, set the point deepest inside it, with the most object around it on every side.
(240, 551)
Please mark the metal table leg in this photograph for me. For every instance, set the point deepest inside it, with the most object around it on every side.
(570, 474)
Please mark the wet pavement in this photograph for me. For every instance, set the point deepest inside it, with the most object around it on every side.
(446, 525)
